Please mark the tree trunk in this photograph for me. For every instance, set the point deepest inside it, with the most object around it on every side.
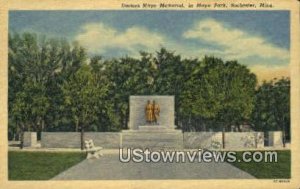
(189, 122)
(76, 126)
(223, 137)
(22, 137)
(256, 140)
(82, 137)
(126, 120)
(123, 120)
(43, 125)
(283, 136)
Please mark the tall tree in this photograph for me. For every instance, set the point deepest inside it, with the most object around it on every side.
(37, 68)
(272, 107)
(84, 95)
(220, 91)
(28, 75)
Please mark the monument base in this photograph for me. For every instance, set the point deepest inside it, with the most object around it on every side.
(152, 137)
(153, 128)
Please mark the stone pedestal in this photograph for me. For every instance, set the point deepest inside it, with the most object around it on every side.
(275, 139)
(154, 136)
(158, 128)
(30, 139)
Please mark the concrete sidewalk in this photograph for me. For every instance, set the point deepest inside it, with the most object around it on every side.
(110, 168)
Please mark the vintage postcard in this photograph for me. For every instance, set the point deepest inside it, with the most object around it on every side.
(140, 94)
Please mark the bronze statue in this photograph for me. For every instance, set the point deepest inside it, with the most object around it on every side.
(156, 111)
(152, 111)
(149, 112)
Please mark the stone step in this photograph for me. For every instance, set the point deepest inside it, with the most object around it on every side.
(153, 131)
(145, 135)
(152, 145)
(152, 140)
(154, 127)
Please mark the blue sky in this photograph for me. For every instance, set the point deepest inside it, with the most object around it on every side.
(259, 39)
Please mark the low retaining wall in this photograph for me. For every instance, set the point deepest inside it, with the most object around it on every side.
(214, 140)
(190, 140)
(105, 139)
(72, 139)
(203, 140)
(244, 140)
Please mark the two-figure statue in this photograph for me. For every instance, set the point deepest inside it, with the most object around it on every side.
(152, 111)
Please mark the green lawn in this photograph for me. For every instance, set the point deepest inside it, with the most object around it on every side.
(262, 170)
(40, 165)
(45, 165)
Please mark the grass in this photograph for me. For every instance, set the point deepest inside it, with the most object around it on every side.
(40, 165)
(45, 165)
(262, 170)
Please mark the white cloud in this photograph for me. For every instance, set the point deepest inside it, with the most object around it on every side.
(99, 38)
(236, 43)
(262, 57)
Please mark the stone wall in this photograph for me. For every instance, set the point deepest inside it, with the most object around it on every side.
(137, 106)
(275, 139)
(105, 139)
(174, 139)
(153, 140)
(244, 140)
(213, 140)
(30, 139)
(203, 140)
(72, 139)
